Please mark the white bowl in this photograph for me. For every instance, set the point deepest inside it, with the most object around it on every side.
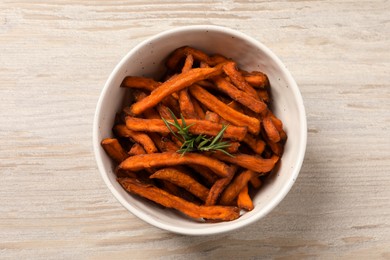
(147, 59)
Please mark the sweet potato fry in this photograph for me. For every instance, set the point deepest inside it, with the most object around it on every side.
(238, 80)
(250, 162)
(114, 149)
(257, 145)
(257, 79)
(229, 114)
(207, 175)
(186, 105)
(263, 95)
(188, 63)
(180, 53)
(255, 104)
(197, 108)
(163, 143)
(217, 58)
(212, 117)
(183, 180)
(168, 200)
(255, 182)
(198, 127)
(140, 83)
(138, 137)
(243, 199)
(231, 191)
(180, 82)
(136, 149)
(218, 187)
(139, 162)
(271, 130)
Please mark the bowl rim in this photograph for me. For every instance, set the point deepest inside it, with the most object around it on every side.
(217, 229)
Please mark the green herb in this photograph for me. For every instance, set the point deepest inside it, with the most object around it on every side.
(193, 143)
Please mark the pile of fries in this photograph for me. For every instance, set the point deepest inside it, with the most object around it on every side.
(201, 140)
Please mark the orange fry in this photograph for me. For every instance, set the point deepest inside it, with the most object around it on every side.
(140, 83)
(271, 130)
(231, 191)
(114, 149)
(256, 144)
(136, 149)
(218, 187)
(255, 104)
(238, 80)
(163, 144)
(212, 117)
(206, 174)
(139, 162)
(197, 108)
(186, 105)
(257, 79)
(180, 53)
(183, 180)
(138, 137)
(256, 182)
(178, 83)
(229, 114)
(170, 201)
(250, 162)
(243, 199)
(188, 63)
(198, 127)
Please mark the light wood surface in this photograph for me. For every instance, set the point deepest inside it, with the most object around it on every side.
(54, 59)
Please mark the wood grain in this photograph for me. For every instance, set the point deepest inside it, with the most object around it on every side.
(54, 59)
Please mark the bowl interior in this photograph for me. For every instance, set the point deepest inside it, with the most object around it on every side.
(147, 59)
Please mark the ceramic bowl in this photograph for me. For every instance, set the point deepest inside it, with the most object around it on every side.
(147, 59)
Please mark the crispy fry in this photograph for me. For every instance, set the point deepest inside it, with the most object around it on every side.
(136, 149)
(197, 108)
(139, 162)
(186, 105)
(207, 175)
(170, 201)
(212, 117)
(238, 80)
(140, 83)
(255, 104)
(138, 137)
(218, 187)
(183, 180)
(278, 124)
(188, 63)
(231, 191)
(271, 130)
(114, 149)
(243, 199)
(251, 162)
(180, 53)
(198, 127)
(218, 58)
(163, 143)
(263, 95)
(229, 114)
(180, 82)
(257, 145)
(257, 79)
(255, 182)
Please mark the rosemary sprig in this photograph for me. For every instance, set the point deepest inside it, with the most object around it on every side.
(193, 143)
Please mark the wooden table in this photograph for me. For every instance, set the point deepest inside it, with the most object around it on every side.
(55, 57)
